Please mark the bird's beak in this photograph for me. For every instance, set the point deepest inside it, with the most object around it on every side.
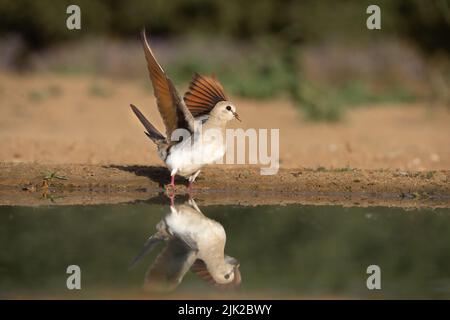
(237, 116)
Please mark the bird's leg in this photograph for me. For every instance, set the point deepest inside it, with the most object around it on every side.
(172, 179)
(190, 187)
(171, 190)
(172, 199)
(191, 181)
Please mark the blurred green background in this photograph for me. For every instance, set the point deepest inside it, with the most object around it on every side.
(284, 251)
(319, 54)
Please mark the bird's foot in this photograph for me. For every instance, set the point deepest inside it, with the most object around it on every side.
(172, 198)
(171, 186)
(170, 191)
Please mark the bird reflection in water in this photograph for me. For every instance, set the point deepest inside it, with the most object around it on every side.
(192, 242)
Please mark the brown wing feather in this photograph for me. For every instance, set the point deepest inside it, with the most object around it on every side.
(172, 109)
(169, 267)
(203, 94)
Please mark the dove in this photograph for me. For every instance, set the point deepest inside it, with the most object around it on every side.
(192, 242)
(204, 107)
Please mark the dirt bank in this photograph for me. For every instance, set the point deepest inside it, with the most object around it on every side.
(29, 184)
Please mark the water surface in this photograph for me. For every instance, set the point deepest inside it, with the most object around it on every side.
(291, 251)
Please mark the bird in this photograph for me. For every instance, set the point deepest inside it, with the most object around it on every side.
(192, 242)
(203, 107)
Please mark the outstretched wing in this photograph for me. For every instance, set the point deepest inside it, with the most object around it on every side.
(203, 94)
(151, 132)
(170, 266)
(149, 245)
(173, 111)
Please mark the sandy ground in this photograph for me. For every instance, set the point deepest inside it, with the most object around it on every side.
(60, 120)
(55, 119)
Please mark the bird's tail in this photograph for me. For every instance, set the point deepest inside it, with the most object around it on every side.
(151, 132)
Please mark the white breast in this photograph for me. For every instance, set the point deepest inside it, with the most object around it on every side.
(204, 231)
(188, 157)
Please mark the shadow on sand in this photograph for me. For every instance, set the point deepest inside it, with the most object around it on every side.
(157, 174)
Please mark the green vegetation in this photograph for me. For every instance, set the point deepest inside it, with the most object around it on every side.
(429, 174)
(329, 104)
(323, 169)
(262, 49)
(49, 176)
(265, 74)
(38, 95)
(43, 22)
(100, 91)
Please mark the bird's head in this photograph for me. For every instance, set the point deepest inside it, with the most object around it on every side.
(225, 111)
(227, 273)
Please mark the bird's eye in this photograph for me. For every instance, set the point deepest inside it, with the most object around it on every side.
(227, 276)
(228, 108)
